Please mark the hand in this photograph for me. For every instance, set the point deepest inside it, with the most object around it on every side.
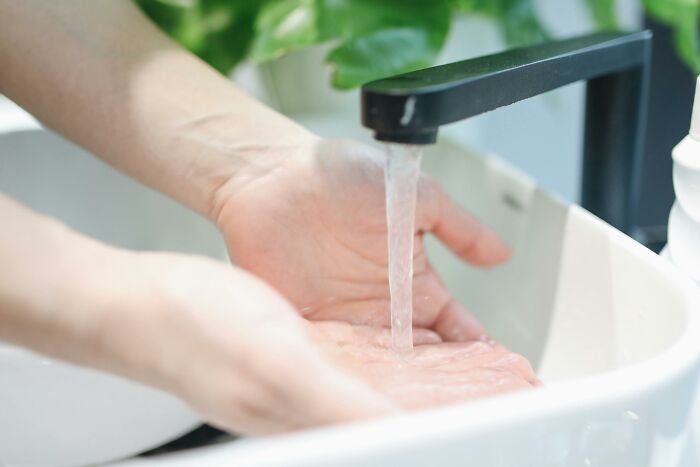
(438, 373)
(237, 351)
(229, 345)
(314, 227)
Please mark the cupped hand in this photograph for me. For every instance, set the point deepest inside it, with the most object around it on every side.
(314, 227)
(238, 352)
(228, 344)
(437, 373)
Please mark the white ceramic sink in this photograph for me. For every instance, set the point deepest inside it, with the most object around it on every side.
(611, 328)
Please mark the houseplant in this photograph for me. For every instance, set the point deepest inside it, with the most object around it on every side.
(371, 39)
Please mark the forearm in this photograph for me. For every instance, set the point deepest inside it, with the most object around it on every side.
(53, 290)
(70, 297)
(101, 74)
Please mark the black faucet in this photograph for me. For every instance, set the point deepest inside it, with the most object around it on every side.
(409, 108)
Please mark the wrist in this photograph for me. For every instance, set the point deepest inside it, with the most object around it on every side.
(246, 160)
(101, 296)
(97, 308)
(131, 336)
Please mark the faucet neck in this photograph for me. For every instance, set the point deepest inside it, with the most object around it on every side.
(410, 108)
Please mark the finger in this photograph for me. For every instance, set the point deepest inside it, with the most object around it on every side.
(517, 364)
(435, 308)
(436, 212)
(425, 337)
(456, 324)
(429, 297)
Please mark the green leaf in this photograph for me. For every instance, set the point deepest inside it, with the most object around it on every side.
(229, 26)
(520, 24)
(171, 17)
(218, 31)
(352, 18)
(285, 25)
(491, 8)
(380, 54)
(687, 41)
(603, 12)
(373, 38)
(379, 39)
(670, 11)
(683, 16)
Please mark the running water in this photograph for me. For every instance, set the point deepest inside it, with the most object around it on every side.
(401, 171)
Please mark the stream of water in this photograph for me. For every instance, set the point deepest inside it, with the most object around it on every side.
(401, 172)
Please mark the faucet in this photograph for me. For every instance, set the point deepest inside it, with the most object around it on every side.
(409, 108)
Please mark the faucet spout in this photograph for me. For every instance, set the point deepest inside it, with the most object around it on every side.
(409, 108)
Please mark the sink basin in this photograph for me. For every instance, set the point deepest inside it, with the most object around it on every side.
(57, 414)
(611, 328)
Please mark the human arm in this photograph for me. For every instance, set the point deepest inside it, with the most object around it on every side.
(213, 335)
(102, 75)
(304, 214)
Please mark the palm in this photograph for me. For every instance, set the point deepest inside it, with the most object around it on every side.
(439, 373)
(316, 230)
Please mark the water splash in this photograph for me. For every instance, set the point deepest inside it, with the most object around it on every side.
(401, 172)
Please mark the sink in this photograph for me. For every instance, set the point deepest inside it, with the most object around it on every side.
(611, 328)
